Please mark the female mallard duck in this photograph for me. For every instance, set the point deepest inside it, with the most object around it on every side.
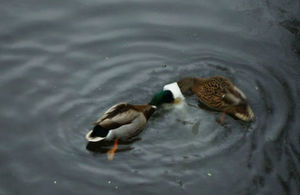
(220, 94)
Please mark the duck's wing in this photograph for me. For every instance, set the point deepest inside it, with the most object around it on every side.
(118, 115)
(211, 91)
(110, 111)
(234, 96)
(231, 99)
(218, 93)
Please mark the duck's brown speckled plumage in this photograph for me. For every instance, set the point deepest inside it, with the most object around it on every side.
(220, 94)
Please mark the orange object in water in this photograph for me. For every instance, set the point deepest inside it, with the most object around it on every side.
(111, 153)
(222, 117)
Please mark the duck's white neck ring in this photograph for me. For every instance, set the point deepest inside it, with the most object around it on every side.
(174, 88)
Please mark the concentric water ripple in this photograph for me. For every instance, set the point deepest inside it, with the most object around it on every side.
(63, 65)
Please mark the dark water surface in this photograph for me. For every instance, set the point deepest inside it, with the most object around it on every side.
(63, 63)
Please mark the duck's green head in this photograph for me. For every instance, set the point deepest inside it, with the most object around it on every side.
(164, 96)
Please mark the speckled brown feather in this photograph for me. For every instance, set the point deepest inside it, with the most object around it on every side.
(210, 91)
(218, 93)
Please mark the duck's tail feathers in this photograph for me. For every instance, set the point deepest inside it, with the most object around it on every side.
(90, 138)
(248, 116)
(97, 134)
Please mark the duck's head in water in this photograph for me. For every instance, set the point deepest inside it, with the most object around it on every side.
(170, 94)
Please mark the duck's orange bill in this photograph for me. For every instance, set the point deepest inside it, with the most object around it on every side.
(111, 153)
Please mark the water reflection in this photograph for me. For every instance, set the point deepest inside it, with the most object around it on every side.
(293, 26)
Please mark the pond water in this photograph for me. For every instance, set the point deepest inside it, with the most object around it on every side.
(63, 63)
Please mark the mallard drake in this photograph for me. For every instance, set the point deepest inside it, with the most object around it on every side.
(121, 121)
(218, 93)
(124, 120)
(170, 94)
